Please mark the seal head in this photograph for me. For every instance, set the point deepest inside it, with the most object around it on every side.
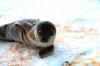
(42, 34)
(46, 31)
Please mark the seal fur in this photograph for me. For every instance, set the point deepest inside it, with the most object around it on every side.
(27, 31)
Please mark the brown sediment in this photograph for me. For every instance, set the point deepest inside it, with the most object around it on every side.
(86, 62)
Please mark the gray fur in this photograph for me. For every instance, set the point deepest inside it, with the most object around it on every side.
(24, 31)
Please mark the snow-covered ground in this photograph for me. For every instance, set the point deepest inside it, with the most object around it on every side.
(78, 31)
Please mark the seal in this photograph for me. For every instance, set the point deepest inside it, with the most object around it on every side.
(39, 35)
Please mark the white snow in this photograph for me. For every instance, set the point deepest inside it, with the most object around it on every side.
(77, 23)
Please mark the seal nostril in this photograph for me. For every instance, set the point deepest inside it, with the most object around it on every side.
(45, 39)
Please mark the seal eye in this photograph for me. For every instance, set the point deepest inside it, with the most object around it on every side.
(40, 32)
(50, 33)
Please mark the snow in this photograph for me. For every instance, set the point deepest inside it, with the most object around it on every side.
(78, 31)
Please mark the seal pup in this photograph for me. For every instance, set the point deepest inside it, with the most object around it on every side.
(33, 33)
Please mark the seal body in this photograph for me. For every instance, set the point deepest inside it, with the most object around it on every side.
(37, 34)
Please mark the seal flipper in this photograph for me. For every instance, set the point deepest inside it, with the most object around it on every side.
(46, 51)
(3, 33)
(3, 30)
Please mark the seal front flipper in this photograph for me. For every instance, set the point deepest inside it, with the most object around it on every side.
(3, 33)
(46, 51)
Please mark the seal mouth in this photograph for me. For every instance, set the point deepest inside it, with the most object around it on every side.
(45, 39)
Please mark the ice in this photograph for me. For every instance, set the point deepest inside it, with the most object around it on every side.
(77, 23)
